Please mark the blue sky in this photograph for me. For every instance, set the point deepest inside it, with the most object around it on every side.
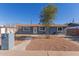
(23, 13)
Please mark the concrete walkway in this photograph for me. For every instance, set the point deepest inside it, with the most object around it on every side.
(75, 42)
(22, 46)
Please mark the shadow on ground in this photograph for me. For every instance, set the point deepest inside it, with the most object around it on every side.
(73, 38)
(23, 38)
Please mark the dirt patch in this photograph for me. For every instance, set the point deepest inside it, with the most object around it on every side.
(18, 41)
(54, 44)
(21, 40)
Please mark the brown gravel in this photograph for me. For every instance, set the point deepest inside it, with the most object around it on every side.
(54, 44)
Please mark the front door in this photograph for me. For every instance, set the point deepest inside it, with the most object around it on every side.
(35, 30)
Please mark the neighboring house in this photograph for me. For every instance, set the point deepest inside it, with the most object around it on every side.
(39, 29)
(72, 31)
(7, 29)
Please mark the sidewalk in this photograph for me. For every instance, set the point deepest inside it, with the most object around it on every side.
(22, 46)
(38, 53)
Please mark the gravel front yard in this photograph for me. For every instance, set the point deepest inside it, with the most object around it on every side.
(53, 44)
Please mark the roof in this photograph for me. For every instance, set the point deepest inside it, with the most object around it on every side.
(7, 26)
(75, 27)
(34, 25)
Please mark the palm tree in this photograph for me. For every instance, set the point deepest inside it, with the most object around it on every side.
(48, 16)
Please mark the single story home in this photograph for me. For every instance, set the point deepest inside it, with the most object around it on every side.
(7, 29)
(39, 29)
(72, 31)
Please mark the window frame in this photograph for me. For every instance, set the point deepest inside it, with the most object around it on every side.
(42, 29)
(59, 30)
(26, 28)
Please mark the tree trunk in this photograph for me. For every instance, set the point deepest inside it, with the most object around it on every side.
(47, 33)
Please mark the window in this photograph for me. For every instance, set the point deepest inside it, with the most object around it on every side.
(42, 28)
(26, 28)
(60, 28)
